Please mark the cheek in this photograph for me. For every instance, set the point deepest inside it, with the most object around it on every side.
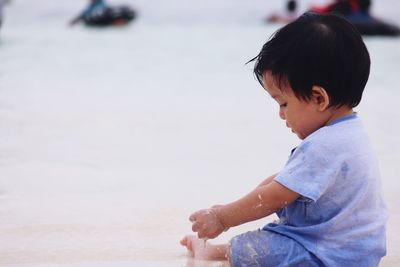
(290, 114)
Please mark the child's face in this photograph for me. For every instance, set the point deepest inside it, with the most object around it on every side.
(302, 117)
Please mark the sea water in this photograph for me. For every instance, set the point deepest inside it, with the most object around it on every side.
(110, 138)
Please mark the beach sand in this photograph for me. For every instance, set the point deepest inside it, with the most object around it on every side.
(110, 138)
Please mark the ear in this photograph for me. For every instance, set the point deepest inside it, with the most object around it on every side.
(320, 97)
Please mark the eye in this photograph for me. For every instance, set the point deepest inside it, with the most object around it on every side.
(283, 105)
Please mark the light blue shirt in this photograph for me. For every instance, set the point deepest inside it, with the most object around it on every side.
(340, 216)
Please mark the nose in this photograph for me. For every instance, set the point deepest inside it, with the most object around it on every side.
(282, 114)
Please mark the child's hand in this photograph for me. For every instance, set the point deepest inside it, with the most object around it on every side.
(207, 223)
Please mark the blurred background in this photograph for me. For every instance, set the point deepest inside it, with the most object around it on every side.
(175, 11)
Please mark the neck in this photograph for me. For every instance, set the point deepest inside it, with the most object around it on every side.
(338, 113)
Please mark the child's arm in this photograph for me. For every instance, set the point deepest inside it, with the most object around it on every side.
(261, 202)
(268, 180)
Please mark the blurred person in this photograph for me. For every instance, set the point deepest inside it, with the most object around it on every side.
(93, 7)
(348, 8)
(355, 11)
(358, 13)
(98, 13)
(289, 15)
(328, 195)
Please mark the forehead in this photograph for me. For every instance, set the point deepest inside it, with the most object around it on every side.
(271, 86)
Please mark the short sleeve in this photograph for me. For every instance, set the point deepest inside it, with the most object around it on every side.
(308, 171)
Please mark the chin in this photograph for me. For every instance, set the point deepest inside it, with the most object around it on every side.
(300, 136)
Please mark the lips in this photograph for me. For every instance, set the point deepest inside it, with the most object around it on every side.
(287, 125)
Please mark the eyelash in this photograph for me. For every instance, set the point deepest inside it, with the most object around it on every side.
(283, 105)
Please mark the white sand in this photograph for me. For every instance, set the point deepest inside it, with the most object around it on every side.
(109, 139)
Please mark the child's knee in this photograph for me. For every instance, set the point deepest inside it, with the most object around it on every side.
(265, 248)
(247, 249)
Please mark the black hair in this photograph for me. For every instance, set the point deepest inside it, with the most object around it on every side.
(317, 50)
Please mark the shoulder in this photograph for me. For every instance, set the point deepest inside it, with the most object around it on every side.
(337, 142)
(340, 132)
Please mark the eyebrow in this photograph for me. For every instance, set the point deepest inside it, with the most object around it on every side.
(274, 96)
